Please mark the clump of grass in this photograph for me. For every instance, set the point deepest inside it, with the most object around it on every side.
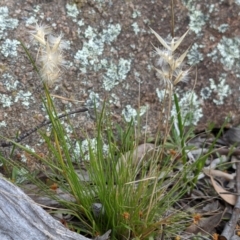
(131, 197)
(135, 203)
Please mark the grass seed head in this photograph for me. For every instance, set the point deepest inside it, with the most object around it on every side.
(170, 66)
(57, 43)
(50, 58)
(39, 33)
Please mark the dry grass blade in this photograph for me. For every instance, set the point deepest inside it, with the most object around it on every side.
(181, 75)
(181, 58)
(179, 41)
(161, 40)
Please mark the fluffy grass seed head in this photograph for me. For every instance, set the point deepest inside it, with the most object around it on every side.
(171, 66)
(39, 33)
(50, 58)
(57, 42)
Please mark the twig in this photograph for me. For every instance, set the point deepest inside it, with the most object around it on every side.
(226, 151)
(44, 123)
(228, 231)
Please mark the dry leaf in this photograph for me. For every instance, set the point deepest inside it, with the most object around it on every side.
(227, 196)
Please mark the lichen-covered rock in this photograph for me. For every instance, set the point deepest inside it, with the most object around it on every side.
(109, 55)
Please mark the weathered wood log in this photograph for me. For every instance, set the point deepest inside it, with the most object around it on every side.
(21, 218)
(40, 197)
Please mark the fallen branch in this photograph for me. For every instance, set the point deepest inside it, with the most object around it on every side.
(229, 229)
(21, 218)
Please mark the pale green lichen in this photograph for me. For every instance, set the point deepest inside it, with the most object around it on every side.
(205, 92)
(131, 114)
(9, 82)
(229, 50)
(30, 148)
(228, 54)
(89, 53)
(9, 48)
(23, 156)
(80, 23)
(21, 174)
(143, 110)
(90, 33)
(93, 100)
(110, 77)
(24, 97)
(213, 55)
(72, 11)
(197, 18)
(223, 28)
(115, 99)
(197, 21)
(93, 48)
(76, 151)
(124, 67)
(89, 57)
(161, 94)
(212, 38)
(67, 128)
(6, 23)
(6, 100)
(3, 124)
(211, 8)
(194, 56)
(36, 8)
(189, 4)
(191, 110)
(133, 46)
(88, 145)
(115, 73)
(136, 28)
(221, 89)
(31, 20)
(136, 14)
(111, 33)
